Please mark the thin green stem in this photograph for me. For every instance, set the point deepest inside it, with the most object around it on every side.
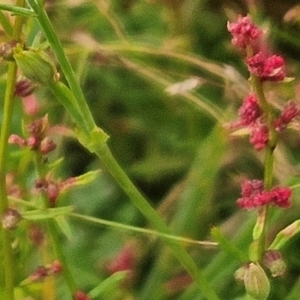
(53, 233)
(5, 130)
(261, 224)
(149, 212)
(8, 262)
(65, 65)
(142, 230)
(66, 97)
(57, 246)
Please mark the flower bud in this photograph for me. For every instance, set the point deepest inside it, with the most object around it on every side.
(24, 88)
(10, 219)
(239, 274)
(6, 50)
(36, 65)
(47, 145)
(274, 262)
(256, 282)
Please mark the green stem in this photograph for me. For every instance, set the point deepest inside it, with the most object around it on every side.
(65, 65)
(8, 262)
(149, 212)
(5, 130)
(56, 244)
(142, 230)
(54, 234)
(66, 97)
(261, 224)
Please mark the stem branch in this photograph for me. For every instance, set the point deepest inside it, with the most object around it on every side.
(261, 223)
(8, 263)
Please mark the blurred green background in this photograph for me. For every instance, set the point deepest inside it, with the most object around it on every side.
(129, 55)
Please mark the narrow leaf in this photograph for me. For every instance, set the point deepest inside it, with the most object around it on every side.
(108, 284)
(226, 245)
(285, 235)
(85, 178)
(18, 10)
(47, 213)
(5, 24)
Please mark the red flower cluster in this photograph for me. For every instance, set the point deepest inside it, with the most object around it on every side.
(267, 68)
(250, 111)
(259, 136)
(244, 32)
(38, 139)
(254, 195)
(251, 116)
(290, 111)
(52, 188)
(247, 35)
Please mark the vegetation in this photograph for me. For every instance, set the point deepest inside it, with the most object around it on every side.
(124, 145)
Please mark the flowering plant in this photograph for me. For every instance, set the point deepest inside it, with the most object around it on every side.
(63, 93)
(265, 124)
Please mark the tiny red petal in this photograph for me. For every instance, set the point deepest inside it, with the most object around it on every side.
(290, 111)
(281, 196)
(259, 136)
(250, 110)
(251, 187)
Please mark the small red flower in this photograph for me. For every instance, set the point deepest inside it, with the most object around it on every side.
(244, 32)
(251, 187)
(267, 68)
(290, 111)
(259, 135)
(280, 196)
(253, 195)
(250, 111)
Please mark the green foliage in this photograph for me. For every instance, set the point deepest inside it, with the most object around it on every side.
(126, 56)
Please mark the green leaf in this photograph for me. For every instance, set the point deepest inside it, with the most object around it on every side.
(285, 235)
(18, 10)
(5, 24)
(226, 245)
(46, 213)
(86, 178)
(108, 285)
